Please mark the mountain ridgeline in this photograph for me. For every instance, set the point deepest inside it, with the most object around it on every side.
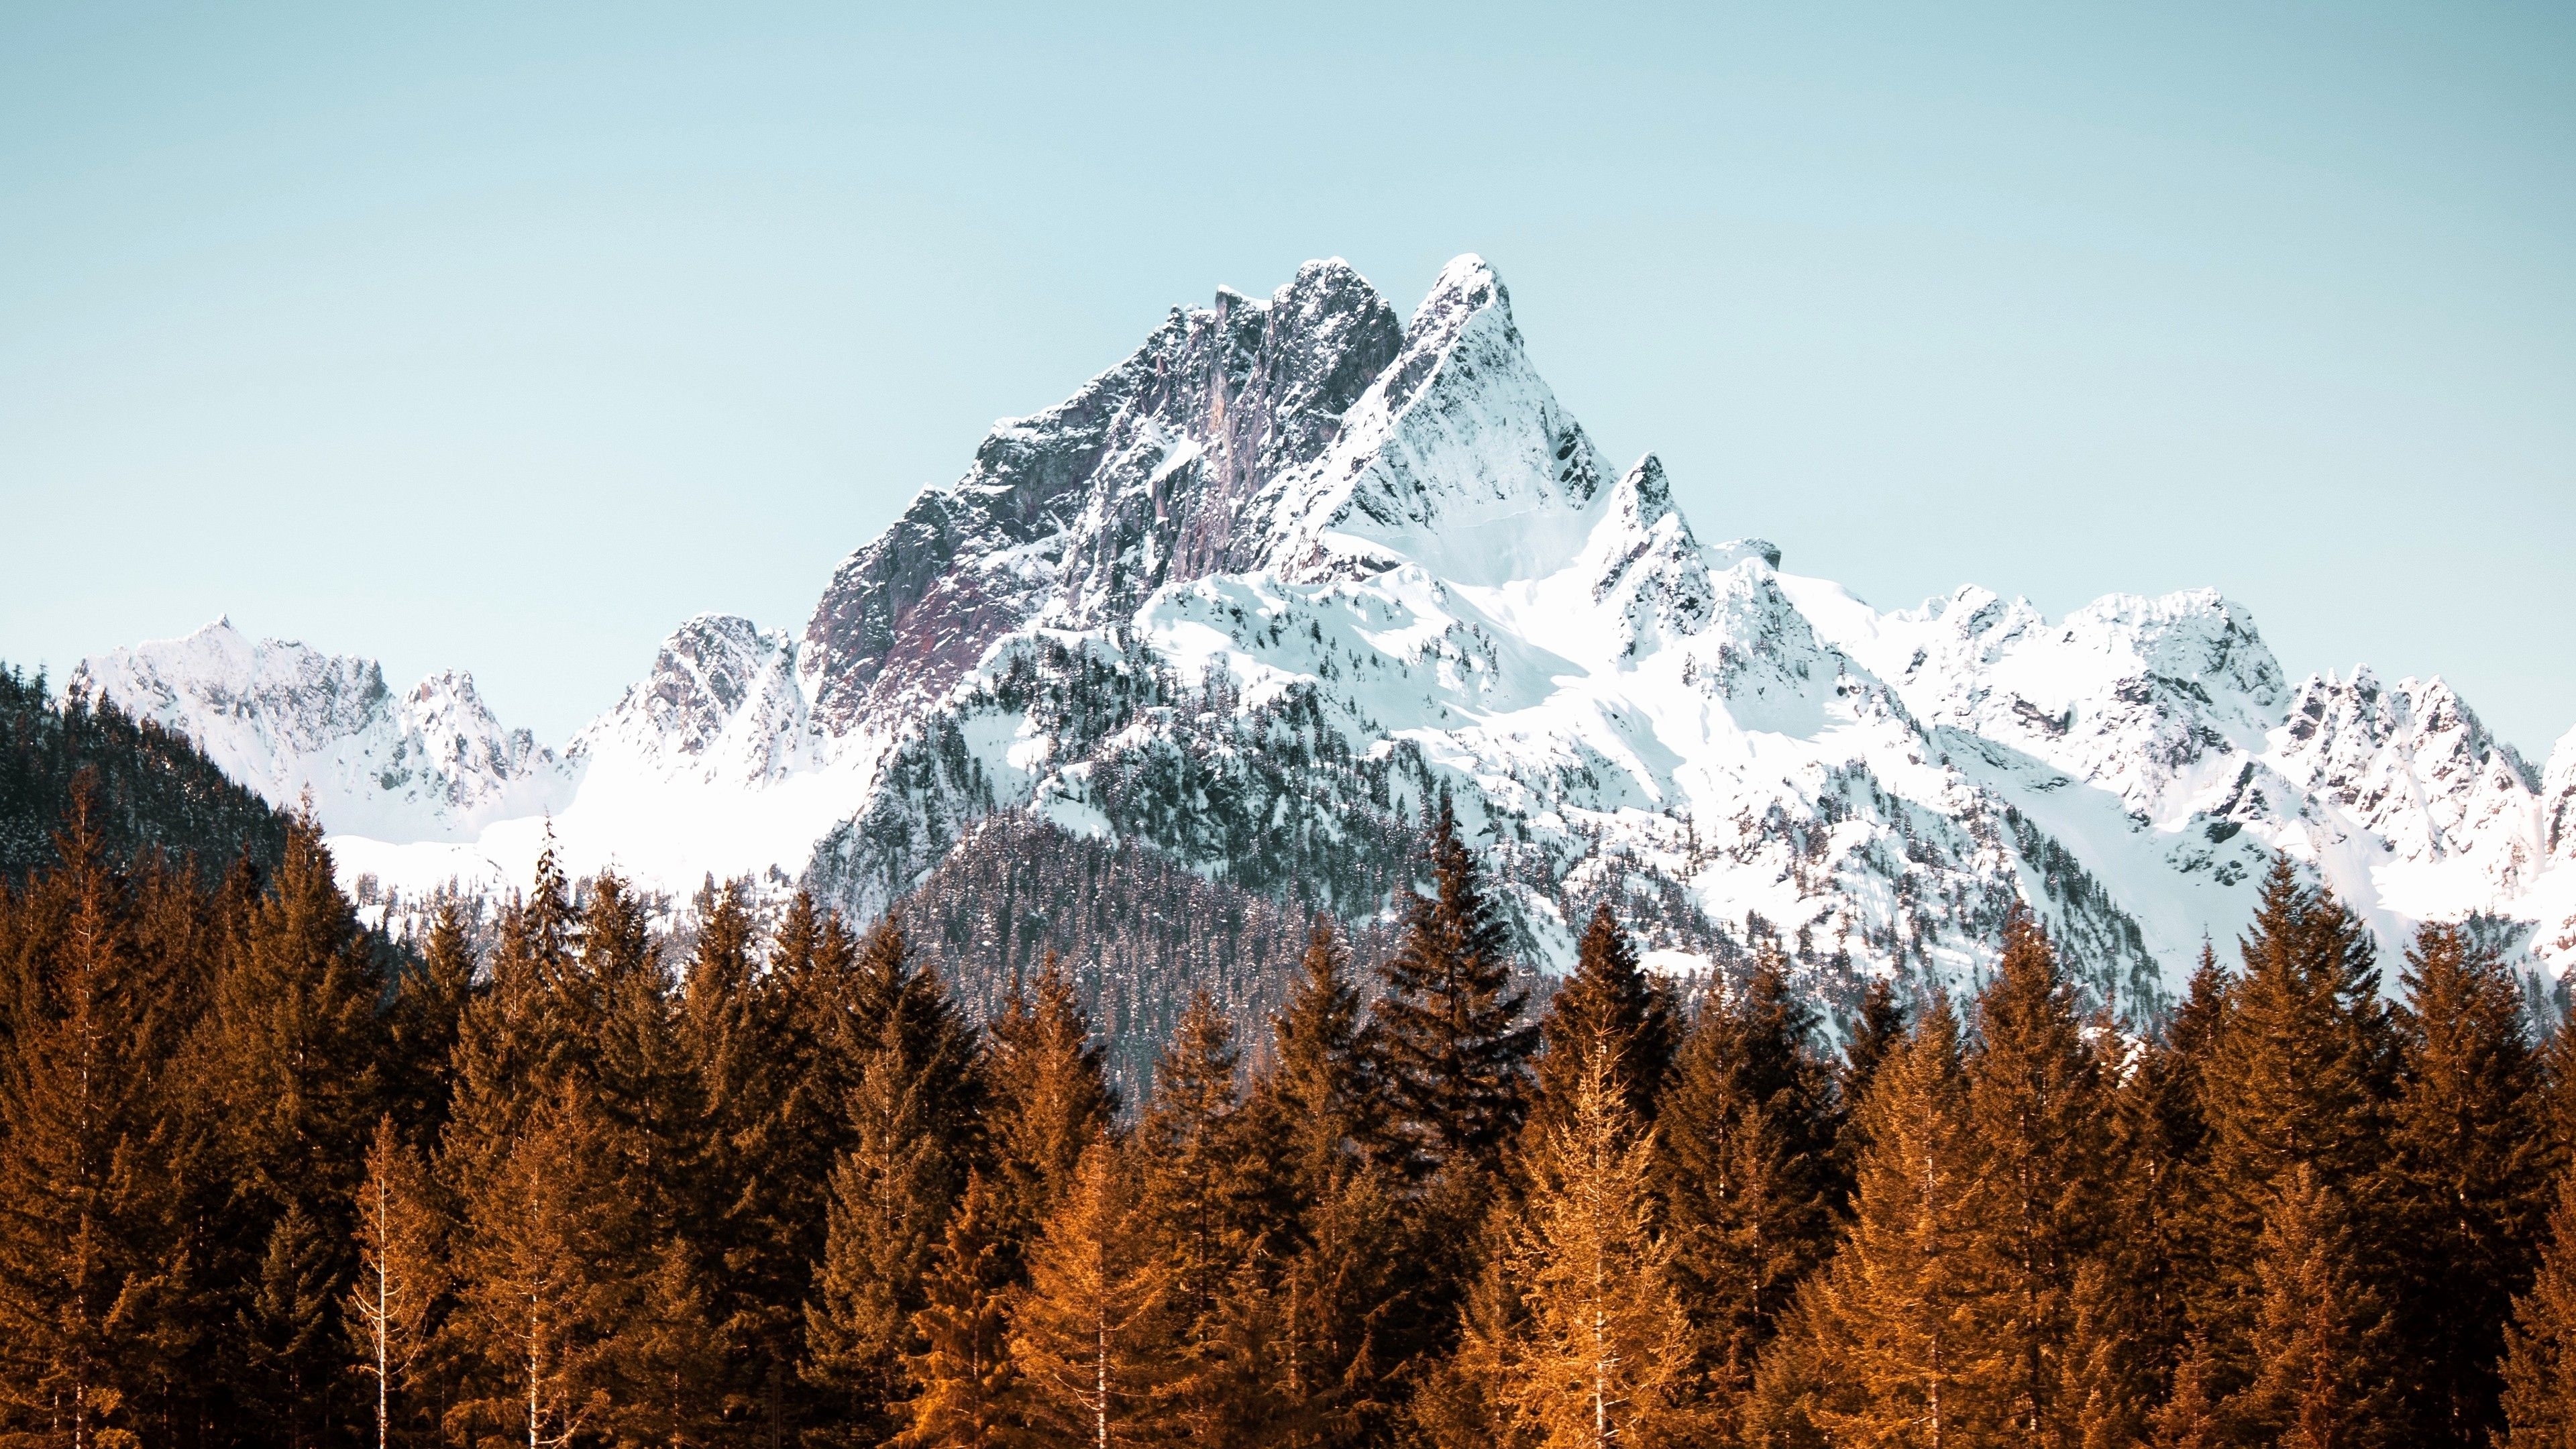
(1263, 592)
(145, 788)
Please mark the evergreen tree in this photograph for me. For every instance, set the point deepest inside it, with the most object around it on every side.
(2472, 1183)
(294, 1048)
(647, 1084)
(1597, 1354)
(1447, 1031)
(638, 1058)
(517, 1037)
(401, 1272)
(1054, 1101)
(2036, 1107)
(1204, 1192)
(286, 1329)
(89, 1266)
(2539, 1370)
(963, 1365)
(738, 1052)
(1091, 1339)
(2558, 1092)
(429, 1005)
(1464, 1399)
(2319, 1378)
(1877, 1029)
(1349, 1301)
(779, 1229)
(296, 1022)
(1607, 999)
(1340, 1230)
(1321, 1078)
(1748, 1171)
(542, 1291)
(2134, 1303)
(1790, 1380)
(1901, 1319)
(893, 1189)
(2189, 1419)
(2296, 1076)
(669, 1356)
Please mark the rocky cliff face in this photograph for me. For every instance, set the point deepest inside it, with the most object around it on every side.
(1078, 514)
(1260, 593)
(2558, 797)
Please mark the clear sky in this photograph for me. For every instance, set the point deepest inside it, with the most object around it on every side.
(507, 338)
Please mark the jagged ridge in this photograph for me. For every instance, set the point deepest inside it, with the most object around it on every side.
(1291, 569)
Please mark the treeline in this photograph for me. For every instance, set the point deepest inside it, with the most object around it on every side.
(264, 1180)
(149, 788)
(1148, 932)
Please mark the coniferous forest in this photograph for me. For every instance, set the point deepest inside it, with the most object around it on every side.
(270, 1178)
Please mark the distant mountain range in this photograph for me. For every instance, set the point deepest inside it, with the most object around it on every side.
(1264, 589)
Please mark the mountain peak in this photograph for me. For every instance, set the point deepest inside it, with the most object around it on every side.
(1297, 564)
(290, 721)
(1467, 284)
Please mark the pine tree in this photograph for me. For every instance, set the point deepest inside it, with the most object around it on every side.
(1054, 1101)
(542, 1287)
(295, 1047)
(1598, 1354)
(963, 1366)
(402, 1272)
(737, 1052)
(2189, 1418)
(1348, 1300)
(1464, 1399)
(779, 1230)
(2472, 1176)
(88, 1258)
(1091, 1339)
(429, 1006)
(296, 1015)
(1877, 1029)
(286, 1325)
(1447, 1031)
(1790, 1380)
(2539, 1369)
(518, 1036)
(1341, 1231)
(1748, 1171)
(893, 1189)
(2037, 1109)
(1204, 1194)
(669, 1356)
(2558, 1091)
(2297, 1075)
(1320, 1079)
(1607, 999)
(2133, 1301)
(637, 1059)
(2319, 1380)
(645, 1089)
(1899, 1309)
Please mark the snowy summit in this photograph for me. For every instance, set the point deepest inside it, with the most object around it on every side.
(1295, 566)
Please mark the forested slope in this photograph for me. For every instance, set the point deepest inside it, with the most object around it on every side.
(150, 789)
(569, 1179)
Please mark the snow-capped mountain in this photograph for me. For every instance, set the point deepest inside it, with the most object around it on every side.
(1261, 591)
(294, 723)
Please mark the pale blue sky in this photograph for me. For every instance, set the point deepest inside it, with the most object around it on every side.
(506, 340)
